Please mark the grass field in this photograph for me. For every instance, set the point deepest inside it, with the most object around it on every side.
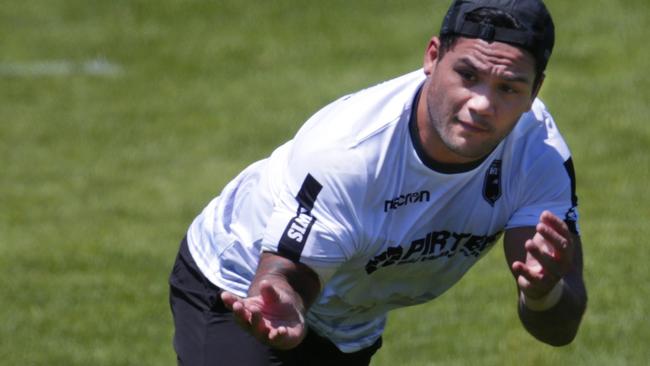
(120, 120)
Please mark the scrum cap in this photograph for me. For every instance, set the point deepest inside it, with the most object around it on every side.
(535, 31)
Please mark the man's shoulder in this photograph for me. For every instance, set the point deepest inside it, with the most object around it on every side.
(363, 112)
(342, 145)
(537, 133)
(393, 86)
(535, 118)
(369, 117)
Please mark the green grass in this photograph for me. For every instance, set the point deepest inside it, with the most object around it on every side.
(101, 173)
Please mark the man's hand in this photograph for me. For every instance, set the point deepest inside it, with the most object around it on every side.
(271, 316)
(546, 262)
(549, 256)
(278, 298)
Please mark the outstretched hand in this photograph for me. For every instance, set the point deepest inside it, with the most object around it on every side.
(272, 316)
(549, 256)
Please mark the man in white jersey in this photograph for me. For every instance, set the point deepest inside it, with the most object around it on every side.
(384, 199)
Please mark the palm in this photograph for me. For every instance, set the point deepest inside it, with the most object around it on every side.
(274, 313)
(270, 316)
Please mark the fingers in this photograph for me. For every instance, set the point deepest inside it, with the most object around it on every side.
(267, 332)
(527, 271)
(549, 254)
(551, 267)
(236, 305)
(549, 218)
(552, 242)
(258, 326)
(276, 333)
(527, 274)
(532, 280)
(556, 243)
(554, 230)
(250, 316)
(521, 273)
(549, 257)
(267, 316)
(229, 299)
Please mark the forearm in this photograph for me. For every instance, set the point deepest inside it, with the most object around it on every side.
(557, 325)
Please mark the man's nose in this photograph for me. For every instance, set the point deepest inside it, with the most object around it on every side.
(481, 101)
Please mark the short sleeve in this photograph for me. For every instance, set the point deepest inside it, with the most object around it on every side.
(314, 219)
(548, 185)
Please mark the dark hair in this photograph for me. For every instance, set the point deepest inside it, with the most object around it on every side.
(494, 17)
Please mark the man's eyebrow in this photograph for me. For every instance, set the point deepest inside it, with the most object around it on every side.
(516, 78)
(513, 78)
(468, 63)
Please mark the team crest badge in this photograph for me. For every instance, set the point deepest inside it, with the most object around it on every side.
(492, 183)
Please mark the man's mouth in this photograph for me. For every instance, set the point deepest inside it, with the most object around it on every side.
(472, 126)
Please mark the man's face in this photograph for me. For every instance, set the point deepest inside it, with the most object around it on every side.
(474, 96)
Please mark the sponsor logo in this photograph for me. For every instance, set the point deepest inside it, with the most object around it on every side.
(406, 199)
(299, 227)
(297, 230)
(435, 245)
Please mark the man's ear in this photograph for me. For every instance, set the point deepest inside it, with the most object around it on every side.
(431, 55)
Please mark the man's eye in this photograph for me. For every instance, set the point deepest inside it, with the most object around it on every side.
(508, 89)
(466, 75)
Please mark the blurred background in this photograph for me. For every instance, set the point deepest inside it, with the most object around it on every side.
(120, 120)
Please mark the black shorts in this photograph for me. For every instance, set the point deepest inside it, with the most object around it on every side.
(206, 332)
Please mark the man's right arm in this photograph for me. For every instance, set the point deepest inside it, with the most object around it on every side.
(278, 299)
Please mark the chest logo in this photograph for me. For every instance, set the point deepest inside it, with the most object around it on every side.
(434, 245)
(405, 199)
(492, 183)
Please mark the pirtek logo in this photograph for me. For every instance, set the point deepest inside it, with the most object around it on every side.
(434, 245)
(403, 200)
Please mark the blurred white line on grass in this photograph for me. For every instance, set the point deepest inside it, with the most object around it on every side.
(94, 67)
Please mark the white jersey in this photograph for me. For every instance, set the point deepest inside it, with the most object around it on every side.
(354, 197)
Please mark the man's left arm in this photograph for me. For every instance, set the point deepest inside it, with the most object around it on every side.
(546, 262)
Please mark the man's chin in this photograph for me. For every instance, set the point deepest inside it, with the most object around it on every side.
(468, 152)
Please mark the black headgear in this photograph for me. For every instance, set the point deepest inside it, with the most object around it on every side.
(535, 31)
